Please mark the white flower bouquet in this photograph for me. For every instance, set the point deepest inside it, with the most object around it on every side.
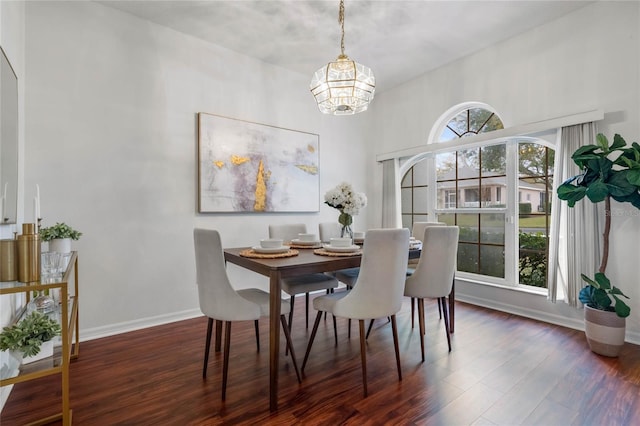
(347, 201)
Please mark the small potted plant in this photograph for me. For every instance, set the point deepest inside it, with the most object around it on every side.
(608, 171)
(30, 338)
(59, 237)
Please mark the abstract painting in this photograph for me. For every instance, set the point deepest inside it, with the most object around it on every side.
(251, 167)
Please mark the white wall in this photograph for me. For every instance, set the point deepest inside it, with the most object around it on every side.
(586, 60)
(12, 18)
(111, 140)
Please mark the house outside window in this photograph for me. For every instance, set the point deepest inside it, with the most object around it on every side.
(502, 239)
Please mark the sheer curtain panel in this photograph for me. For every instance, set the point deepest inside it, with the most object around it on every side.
(391, 194)
(575, 239)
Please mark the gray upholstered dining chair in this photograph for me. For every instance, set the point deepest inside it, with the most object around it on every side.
(304, 283)
(378, 292)
(219, 301)
(347, 276)
(433, 277)
(417, 232)
(330, 230)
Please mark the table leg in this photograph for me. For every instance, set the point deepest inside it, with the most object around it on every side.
(274, 338)
(452, 306)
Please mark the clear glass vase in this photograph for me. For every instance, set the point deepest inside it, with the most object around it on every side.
(346, 232)
(346, 220)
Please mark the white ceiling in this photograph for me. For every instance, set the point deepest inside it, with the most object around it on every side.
(399, 40)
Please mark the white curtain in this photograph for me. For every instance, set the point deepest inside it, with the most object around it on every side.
(391, 217)
(575, 237)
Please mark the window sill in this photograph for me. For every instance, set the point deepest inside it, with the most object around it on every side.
(519, 288)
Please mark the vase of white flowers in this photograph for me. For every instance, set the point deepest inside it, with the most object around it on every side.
(348, 202)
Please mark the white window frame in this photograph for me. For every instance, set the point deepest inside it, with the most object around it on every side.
(545, 132)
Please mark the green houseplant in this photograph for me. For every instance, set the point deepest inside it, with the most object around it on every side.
(59, 231)
(28, 335)
(607, 171)
(59, 237)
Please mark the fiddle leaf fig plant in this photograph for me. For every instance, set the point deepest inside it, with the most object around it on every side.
(608, 171)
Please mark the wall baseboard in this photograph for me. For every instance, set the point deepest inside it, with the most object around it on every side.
(576, 324)
(124, 327)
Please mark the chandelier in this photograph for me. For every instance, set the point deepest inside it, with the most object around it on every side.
(343, 87)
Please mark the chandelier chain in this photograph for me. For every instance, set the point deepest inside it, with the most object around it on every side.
(341, 21)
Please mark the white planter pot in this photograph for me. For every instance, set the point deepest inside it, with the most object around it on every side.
(10, 364)
(46, 350)
(60, 245)
(605, 331)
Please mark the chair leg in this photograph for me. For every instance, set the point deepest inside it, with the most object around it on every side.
(306, 304)
(225, 365)
(206, 348)
(349, 335)
(285, 327)
(413, 309)
(370, 327)
(325, 314)
(335, 329)
(255, 323)
(311, 338)
(218, 335)
(445, 314)
(394, 327)
(422, 327)
(440, 308)
(363, 356)
(291, 301)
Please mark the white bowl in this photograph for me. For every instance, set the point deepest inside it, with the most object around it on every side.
(358, 235)
(341, 242)
(307, 237)
(271, 243)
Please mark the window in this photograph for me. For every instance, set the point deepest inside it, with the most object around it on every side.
(535, 177)
(481, 189)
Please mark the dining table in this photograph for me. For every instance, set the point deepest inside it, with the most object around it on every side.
(305, 262)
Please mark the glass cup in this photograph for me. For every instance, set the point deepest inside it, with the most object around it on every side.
(63, 263)
(50, 265)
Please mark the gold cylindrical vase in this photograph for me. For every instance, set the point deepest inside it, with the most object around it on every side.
(28, 254)
(8, 260)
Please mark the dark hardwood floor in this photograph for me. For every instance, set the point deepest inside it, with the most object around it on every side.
(503, 370)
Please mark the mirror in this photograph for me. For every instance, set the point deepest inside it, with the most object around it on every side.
(8, 142)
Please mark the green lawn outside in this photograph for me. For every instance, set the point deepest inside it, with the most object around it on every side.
(533, 222)
(471, 221)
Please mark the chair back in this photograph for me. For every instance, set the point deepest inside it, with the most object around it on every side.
(329, 230)
(287, 231)
(378, 291)
(418, 228)
(433, 276)
(218, 300)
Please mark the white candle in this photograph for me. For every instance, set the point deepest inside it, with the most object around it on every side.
(35, 210)
(3, 201)
(37, 203)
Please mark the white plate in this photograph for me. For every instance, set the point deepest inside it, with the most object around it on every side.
(271, 250)
(304, 243)
(349, 249)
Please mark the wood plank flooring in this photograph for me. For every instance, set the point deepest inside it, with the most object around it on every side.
(503, 370)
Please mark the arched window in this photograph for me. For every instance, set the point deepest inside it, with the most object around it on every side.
(497, 193)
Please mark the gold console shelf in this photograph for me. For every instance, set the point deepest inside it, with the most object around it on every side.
(69, 345)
